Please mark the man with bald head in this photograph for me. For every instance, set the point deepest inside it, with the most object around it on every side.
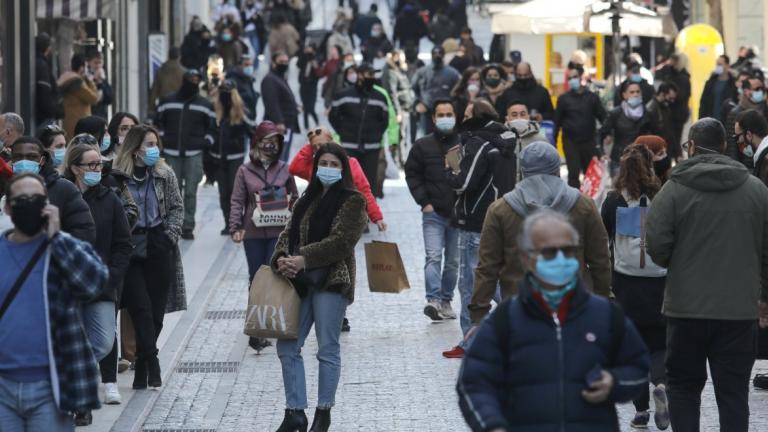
(530, 92)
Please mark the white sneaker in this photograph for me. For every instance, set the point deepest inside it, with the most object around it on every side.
(432, 310)
(112, 394)
(447, 311)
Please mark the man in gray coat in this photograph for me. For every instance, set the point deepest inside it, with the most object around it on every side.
(431, 83)
(709, 227)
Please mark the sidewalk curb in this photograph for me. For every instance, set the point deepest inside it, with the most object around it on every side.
(138, 408)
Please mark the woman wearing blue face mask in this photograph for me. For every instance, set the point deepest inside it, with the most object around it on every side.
(316, 251)
(155, 266)
(82, 166)
(54, 140)
(625, 123)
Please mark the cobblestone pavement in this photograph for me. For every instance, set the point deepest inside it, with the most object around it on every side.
(393, 375)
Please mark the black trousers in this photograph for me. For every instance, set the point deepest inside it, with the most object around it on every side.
(145, 292)
(369, 162)
(655, 339)
(730, 348)
(225, 179)
(578, 154)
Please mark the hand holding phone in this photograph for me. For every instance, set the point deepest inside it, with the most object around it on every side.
(53, 223)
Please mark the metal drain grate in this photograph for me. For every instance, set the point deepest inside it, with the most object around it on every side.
(177, 430)
(225, 314)
(208, 367)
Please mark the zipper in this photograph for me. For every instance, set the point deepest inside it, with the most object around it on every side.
(561, 360)
(182, 152)
(360, 144)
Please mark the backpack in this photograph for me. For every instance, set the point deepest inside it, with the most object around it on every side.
(500, 321)
(630, 254)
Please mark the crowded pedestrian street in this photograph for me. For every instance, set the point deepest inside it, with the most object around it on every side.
(383, 215)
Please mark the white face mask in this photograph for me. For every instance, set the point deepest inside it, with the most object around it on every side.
(520, 125)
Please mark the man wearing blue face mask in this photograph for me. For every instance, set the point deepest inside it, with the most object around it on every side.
(575, 115)
(719, 89)
(29, 156)
(752, 98)
(427, 182)
(564, 355)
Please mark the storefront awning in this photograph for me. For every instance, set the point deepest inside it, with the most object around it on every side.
(76, 9)
(571, 16)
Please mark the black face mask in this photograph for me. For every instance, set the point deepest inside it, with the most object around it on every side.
(492, 82)
(437, 61)
(367, 83)
(187, 90)
(524, 83)
(281, 69)
(660, 167)
(26, 213)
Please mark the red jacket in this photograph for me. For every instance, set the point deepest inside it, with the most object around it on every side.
(301, 166)
(5, 170)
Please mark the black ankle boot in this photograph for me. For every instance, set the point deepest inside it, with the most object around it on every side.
(322, 420)
(140, 374)
(294, 421)
(153, 369)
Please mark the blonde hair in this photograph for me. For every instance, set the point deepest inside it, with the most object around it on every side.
(125, 161)
(73, 156)
(236, 111)
(324, 132)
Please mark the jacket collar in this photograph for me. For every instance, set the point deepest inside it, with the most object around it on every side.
(572, 305)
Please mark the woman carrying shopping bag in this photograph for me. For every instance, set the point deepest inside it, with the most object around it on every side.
(261, 186)
(316, 252)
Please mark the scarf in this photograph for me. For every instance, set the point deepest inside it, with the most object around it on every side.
(322, 217)
(633, 113)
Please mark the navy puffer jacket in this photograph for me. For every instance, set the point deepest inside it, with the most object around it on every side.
(537, 385)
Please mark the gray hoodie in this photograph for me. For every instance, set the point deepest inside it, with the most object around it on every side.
(541, 191)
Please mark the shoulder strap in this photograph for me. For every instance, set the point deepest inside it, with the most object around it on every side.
(500, 323)
(23, 277)
(617, 332)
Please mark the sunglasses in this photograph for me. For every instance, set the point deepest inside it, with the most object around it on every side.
(551, 252)
(314, 132)
(54, 128)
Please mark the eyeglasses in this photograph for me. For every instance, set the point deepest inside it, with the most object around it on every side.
(314, 132)
(93, 166)
(551, 252)
(686, 145)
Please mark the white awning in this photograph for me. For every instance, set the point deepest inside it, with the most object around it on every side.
(76, 9)
(572, 16)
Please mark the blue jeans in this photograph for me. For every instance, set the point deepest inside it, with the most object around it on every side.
(29, 406)
(469, 245)
(326, 311)
(258, 252)
(440, 240)
(100, 326)
(253, 38)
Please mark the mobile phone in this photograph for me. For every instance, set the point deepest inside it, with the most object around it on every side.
(594, 374)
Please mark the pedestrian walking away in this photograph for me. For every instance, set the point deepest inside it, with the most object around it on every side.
(321, 266)
(567, 354)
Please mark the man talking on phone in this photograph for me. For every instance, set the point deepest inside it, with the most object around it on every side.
(47, 368)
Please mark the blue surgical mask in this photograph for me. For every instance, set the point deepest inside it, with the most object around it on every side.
(58, 156)
(445, 124)
(26, 166)
(248, 70)
(106, 141)
(226, 37)
(91, 178)
(757, 96)
(151, 156)
(328, 175)
(635, 101)
(574, 83)
(636, 78)
(557, 271)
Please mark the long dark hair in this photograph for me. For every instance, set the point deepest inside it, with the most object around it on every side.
(93, 125)
(461, 87)
(330, 202)
(636, 173)
(114, 124)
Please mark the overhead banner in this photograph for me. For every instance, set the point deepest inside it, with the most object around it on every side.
(76, 9)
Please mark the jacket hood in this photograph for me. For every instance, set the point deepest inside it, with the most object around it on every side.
(498, 135)
(710, 173)
(532, 129)
(541, 191)
(69, 81)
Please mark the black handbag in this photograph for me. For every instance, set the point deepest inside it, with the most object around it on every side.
(310, 279)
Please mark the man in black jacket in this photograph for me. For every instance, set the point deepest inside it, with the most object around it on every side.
(752, 97)
(187, 124)
(719, 89)
(576, 113)
(47, 98)
(279, 102)
(242, 76)
(425, 175)
(660, 110)
(29, 155)
(527, 90)
(360, 116)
